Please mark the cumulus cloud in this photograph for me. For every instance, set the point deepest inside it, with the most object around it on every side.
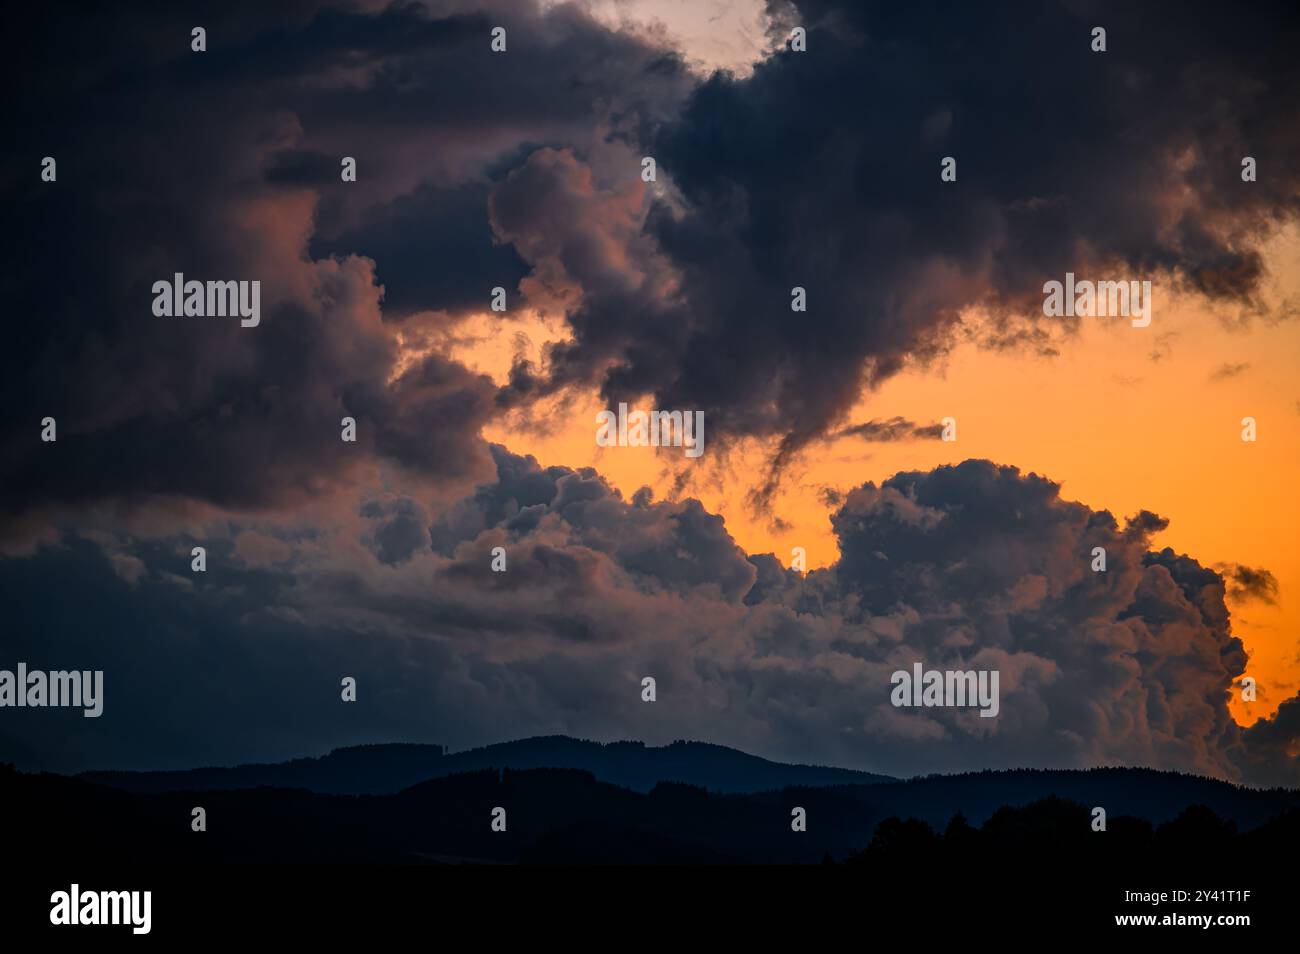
(821, 170)
(973, 566)
(372, 559)
(679, 289)
(248, 187)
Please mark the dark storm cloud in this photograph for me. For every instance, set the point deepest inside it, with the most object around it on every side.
(400, 531)
(225, 165)
(1271, 745)
(590, 256)
(821, 170)
(454, 117)
(973, 566)
(436, 248)
(477, 169)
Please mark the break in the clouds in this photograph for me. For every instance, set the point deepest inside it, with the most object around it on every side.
(821, 170)
(973, 566)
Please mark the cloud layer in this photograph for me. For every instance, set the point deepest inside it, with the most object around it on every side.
(821, 170)
(226, 165)
(973, 566)
(330, 559)
(522, 170)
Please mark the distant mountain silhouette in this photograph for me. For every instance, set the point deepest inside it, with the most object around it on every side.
(354, 770)
(1156, 796)
(380, 769)
(564, 815)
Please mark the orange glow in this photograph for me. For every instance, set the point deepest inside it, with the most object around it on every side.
(1124, 418)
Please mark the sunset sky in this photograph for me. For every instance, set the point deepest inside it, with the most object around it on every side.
(1123, 418)
(775, 168)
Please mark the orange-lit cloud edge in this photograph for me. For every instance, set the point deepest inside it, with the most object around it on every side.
(1123, 418)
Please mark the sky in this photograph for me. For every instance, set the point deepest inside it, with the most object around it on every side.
(775, 168)
(1122, 424)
